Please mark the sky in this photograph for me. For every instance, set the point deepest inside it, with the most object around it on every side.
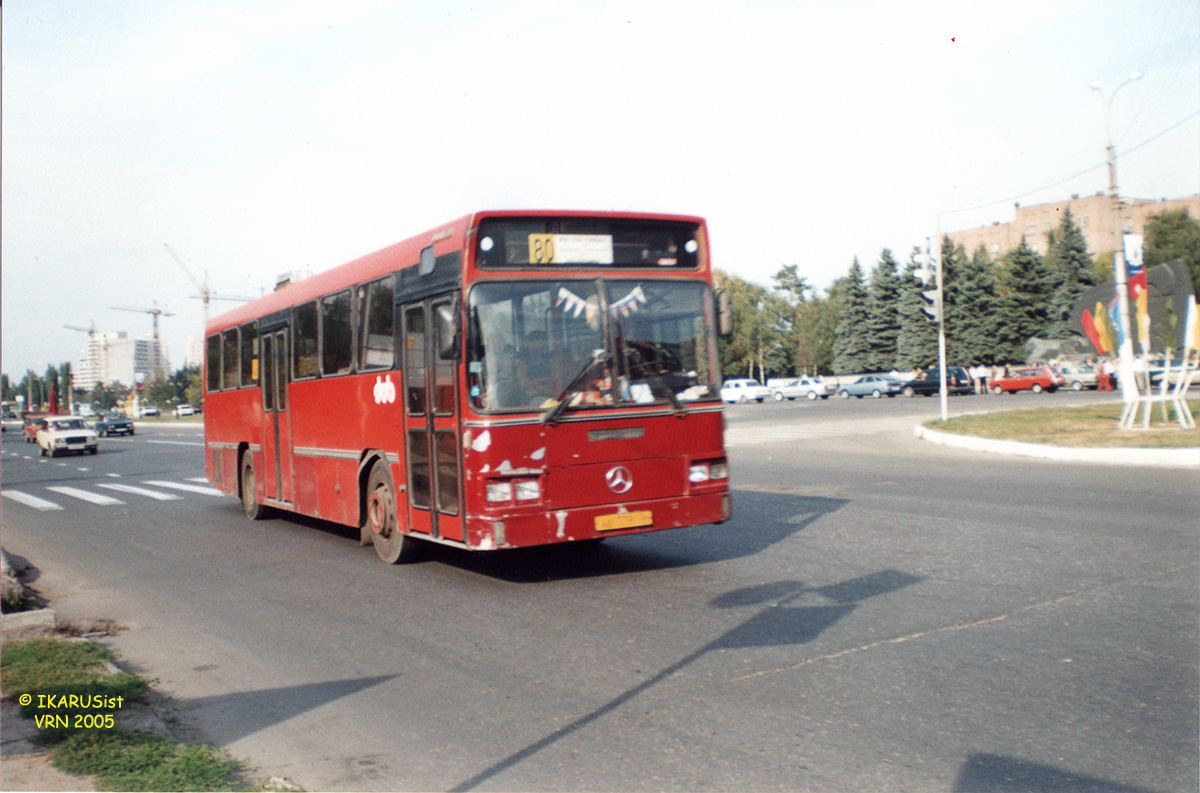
(256, 137)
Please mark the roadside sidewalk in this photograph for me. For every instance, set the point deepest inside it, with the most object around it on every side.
(1105, 455)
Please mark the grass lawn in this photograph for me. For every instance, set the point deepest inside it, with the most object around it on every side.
(1079, 426)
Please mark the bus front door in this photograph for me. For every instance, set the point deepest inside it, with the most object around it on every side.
(430, 426)
(277, 438)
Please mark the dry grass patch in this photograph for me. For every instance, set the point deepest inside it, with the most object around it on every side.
(1080, 426)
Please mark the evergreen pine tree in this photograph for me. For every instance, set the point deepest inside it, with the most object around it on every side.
(883, 318)
(916, 343)
(852, 347)
(1025, 288)
(954, 261)
(1071, 271)
(976, 302)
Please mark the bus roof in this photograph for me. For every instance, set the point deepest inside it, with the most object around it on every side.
(445, 238)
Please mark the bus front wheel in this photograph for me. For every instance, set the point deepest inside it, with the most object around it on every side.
(253, 509)
(391, 545)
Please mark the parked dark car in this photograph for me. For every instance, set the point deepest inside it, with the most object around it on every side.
(113, 424)
(928, 383)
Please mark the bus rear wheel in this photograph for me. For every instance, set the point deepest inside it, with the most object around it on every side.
(253, 509)
(391, 544)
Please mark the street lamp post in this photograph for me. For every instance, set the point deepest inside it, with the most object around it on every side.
(1120, 275)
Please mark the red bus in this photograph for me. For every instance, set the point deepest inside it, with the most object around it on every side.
(507, 379)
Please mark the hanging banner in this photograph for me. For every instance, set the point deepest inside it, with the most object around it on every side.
(1135, 265)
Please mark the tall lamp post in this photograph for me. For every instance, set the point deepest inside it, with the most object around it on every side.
(1120, 274)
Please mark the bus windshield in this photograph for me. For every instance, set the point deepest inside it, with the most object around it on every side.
(590, 343)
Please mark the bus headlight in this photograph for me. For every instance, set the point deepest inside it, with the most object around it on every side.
(499, 491)
(528, 490)
(708, 471)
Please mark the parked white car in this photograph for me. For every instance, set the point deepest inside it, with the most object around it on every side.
(184, 410)
(790, 388)
(64, 434)
(743, 390)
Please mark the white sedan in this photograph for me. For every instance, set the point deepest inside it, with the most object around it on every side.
(64, 434)
(744, 390)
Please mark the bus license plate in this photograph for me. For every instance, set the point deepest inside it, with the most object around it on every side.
(624, 520)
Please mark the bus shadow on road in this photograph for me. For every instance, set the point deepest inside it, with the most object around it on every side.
(776, 619)
(989, 773)
(760, 521)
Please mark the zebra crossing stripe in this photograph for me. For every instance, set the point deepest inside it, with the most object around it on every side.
(201, 479)
(208, 491)
(30, 501)
(86, 495)
(141, 491)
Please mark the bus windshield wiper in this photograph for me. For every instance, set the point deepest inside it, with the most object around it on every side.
(553, 413)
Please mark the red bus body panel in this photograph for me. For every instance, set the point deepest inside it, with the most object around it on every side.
(338, 426)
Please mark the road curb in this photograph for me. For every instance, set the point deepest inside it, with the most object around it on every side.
(1104, 455)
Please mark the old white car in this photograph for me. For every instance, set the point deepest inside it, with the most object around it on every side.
(63, 434)
(743, 390)
(790, 388)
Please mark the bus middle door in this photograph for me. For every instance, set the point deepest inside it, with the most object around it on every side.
(430, 426)
(277, 439)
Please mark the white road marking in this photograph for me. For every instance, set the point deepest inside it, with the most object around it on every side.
(30, 501)
(177, 443)
(86, 495)
(208, 491)
(141, 491)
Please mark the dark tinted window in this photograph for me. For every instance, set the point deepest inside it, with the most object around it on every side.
(230, 361)
(249, 354)
(212, 360)
(304, 341)
(337, 338)
(377, 331)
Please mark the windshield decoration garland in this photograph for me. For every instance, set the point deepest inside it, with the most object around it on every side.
(628, 304)
(576, 304)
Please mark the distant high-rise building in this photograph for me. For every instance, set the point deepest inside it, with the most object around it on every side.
(1093, 215)
(194, 354)
(113, 357)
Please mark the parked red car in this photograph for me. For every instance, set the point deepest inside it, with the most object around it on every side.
(1029, 378)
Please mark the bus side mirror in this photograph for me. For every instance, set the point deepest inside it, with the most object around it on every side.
(446, 319)
(724, 313)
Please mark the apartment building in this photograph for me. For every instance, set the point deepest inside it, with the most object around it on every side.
(113, 357)
(1093, 215)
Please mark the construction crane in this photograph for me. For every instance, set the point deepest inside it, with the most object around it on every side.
(155, 312)
(206, 294)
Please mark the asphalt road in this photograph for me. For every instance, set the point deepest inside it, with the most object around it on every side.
(880, 614)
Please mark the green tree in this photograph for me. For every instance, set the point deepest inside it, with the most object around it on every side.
(883, 317)
(1174, 235)
(1071, 271)
(752, 329)
(976, 302)
(954, 261)
(1024, 290)
(6, 392)
(852, 345)
(816, 331)
(916, 344)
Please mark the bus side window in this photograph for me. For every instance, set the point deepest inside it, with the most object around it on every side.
(230, 363)
(337, 336)
(304, 341)
(250, 354)
(212, 359)
(377, 334)
(414, 359)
